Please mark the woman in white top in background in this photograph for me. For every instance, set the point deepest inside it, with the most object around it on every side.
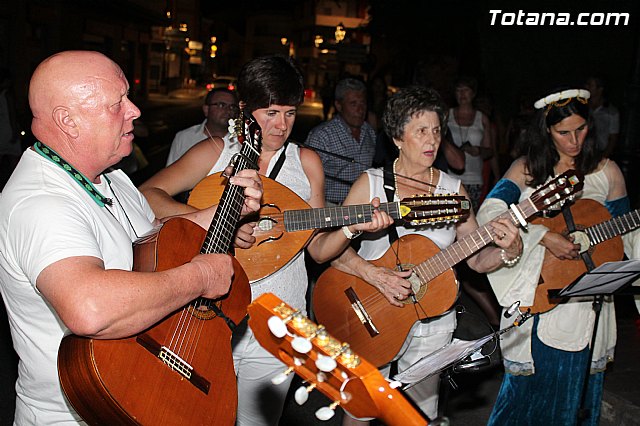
(470, 132)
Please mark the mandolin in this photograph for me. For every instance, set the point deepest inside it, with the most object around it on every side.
(354, 311)
(180, 371)
(285, 223)
(602, 241)
(327, 364)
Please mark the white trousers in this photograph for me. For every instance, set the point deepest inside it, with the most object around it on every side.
(260, 402)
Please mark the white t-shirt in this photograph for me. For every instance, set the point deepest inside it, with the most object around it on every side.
(185, 139)
(45, 217)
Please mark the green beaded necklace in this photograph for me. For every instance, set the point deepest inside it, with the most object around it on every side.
(78, 177)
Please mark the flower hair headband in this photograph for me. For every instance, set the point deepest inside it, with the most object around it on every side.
(552, 100)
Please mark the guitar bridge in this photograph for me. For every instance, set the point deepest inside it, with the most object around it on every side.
(174, 362)
(361, 312)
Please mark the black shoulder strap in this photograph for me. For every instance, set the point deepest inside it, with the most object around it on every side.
(280, 162)
(571, 227)
(389, 190)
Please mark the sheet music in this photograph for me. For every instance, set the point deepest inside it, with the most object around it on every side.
(605, 279)
(441, 359)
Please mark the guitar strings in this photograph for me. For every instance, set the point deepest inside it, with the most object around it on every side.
(186, 337)
(428, 274)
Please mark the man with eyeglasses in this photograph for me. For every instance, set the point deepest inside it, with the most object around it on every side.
(219, 106)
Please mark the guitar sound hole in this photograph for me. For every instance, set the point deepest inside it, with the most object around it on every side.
(266, 224)
(417, 287)
(201, 309)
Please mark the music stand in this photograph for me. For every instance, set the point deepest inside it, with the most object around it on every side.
(605, 280)
(441, 359)
(451, 354)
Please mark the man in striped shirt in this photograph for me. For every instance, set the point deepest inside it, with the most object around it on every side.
(347, 135)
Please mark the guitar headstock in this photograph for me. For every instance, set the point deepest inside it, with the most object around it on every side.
(557, 191)
(249, 134)
(245, 127)
(434, 209)
(326, 364)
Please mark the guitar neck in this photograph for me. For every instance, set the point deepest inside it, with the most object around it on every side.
(220, 233)
(612, 228)
(329, 217)
(470, 244)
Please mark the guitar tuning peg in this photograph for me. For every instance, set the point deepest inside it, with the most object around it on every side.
(280, 378)
(394, 384)
(277, 326)
(302, 393)
(325, 363)
(345, 396)
(325, 413)
(301, 345)
(321, 377)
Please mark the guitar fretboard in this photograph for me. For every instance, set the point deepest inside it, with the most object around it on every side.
(614, 227)
(220, 233)
(328, 217)
(471, 243)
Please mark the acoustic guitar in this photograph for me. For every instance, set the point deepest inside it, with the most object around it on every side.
(355, 311)
(328, 365)
(180, 371)
(285, 223)
(596, 233)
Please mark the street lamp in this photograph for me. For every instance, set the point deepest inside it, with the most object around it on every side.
(284, 41)
(340, 32)
(214, 49)
(318, 40)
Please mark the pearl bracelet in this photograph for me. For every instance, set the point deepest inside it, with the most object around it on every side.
(508, 262)
(350, 235)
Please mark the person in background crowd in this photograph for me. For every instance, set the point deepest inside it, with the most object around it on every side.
(67, 229)
(605, 116)
(413, 118)
(326, 95)
(546, 358)
(272, 89)
(377, 99)
(220, 105)
(518, 125)
(469, 131)
(347, 135)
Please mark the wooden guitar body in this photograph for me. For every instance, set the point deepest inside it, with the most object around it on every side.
(356, 312)
(125, 382)
(557, 273)
(334, 306)
(274, 247)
